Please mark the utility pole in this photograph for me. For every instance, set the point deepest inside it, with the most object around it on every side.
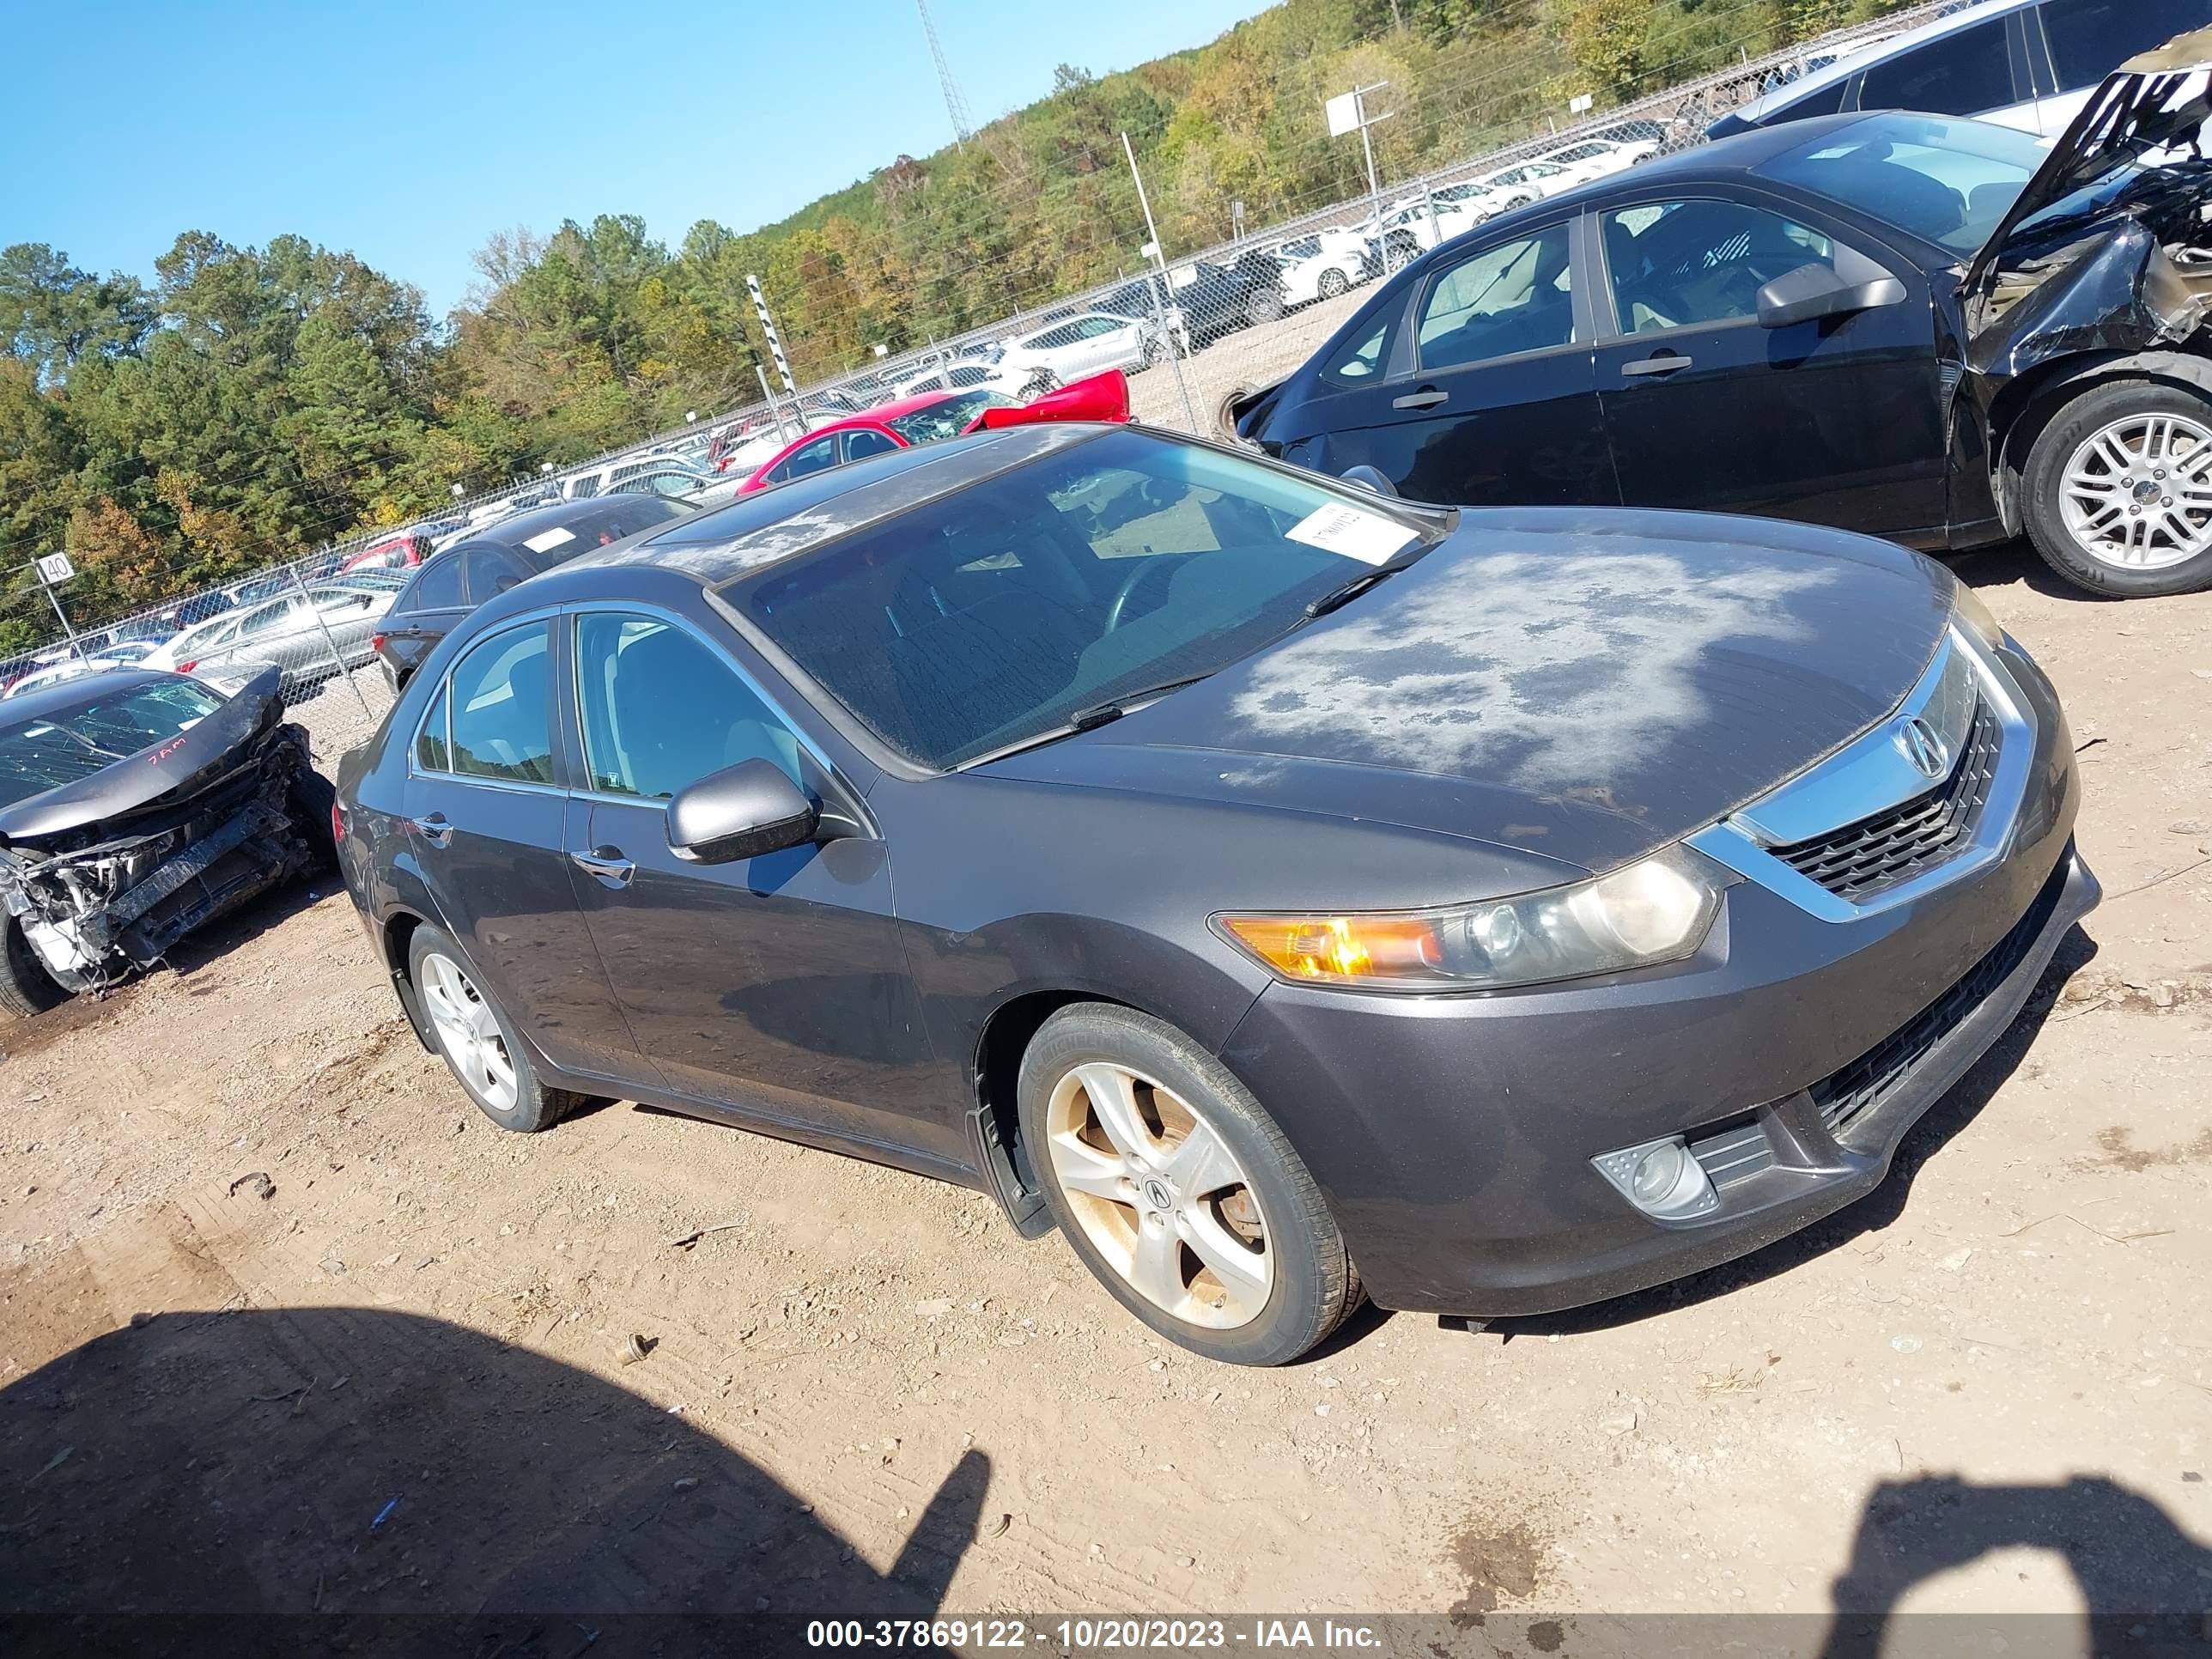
(1347, 111)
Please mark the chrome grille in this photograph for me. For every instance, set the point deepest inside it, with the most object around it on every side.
(1846, 1096)
(1875, 853)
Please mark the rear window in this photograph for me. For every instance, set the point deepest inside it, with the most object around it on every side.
(1960, 74)
(948, 419)
(624, 515)
(43, 754)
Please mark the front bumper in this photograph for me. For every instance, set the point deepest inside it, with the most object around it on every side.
(1453, 1136)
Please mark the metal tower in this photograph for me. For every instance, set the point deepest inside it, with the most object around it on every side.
(955, 105)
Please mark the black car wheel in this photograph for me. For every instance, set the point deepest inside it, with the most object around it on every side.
(26, 987)
(1177, 1191)
(1265, 306)
(1333, 284)
(477, 1040)
(2118, 491)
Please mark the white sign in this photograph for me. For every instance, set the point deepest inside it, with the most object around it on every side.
(546, 540)
(1367, 537)
(1150, 251)
(1579, 103)
(55, 568)
(1343, 113)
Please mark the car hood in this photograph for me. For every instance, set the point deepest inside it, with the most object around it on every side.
(172, 770)
(1586, 685)
(2150, 103)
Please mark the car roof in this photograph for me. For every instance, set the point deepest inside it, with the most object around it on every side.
(58, 702)
(1852, 60)
(721, 544)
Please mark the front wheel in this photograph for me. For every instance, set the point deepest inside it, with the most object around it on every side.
(478, 1041)
(26, 987)
(1332, 285)
(2118, 491)
(1042, 381)
(1178, 1192)
(313, 798)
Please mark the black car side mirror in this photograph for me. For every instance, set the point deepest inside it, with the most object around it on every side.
(1814, 291)
(743, 811)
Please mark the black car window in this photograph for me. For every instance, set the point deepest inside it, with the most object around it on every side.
(662, 710)
(438, 585)
(501, 722)
(817, 456)
(431, 752)
(988, 617)
(1676, 263)
(486, 573)
(863, 442)
(1963, 73)
(268, 619)
(2089, 39)
(585, 488)
(1515, 297)
(47, 752)
(1829, 100)
(1361, 361)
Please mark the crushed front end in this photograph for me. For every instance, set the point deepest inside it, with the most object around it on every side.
(115, 893)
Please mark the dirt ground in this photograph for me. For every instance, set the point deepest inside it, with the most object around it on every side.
(315, 1282)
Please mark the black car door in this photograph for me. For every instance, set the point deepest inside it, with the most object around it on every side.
(423, 614)
(1479, 390)
(1837, 420)
(488, 824)
(776, 987)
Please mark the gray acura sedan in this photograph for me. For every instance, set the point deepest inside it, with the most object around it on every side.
(1286, 892)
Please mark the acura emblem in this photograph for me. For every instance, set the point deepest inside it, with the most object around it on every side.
(1918, 742)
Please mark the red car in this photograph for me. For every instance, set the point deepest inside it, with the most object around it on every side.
(395, 553)
(935, 415)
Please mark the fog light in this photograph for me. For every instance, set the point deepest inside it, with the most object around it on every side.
(1661, 1178)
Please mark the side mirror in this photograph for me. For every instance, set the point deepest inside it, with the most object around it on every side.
(1369, 479)
(743, 811)
(1814, 291)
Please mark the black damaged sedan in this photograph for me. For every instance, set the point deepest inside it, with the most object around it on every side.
(1285, 892)
(1926, 329)
(135, 806)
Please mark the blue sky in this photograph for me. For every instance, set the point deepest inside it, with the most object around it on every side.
(408, 130)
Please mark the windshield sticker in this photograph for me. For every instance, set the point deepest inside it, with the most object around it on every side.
(546, 540)
(1367, 537)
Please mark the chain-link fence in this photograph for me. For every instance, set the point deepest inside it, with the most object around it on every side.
(1190, 326)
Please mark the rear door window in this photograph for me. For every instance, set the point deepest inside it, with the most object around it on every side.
(1515, 297)
(865, 441)
(502, 711)
(1963, 73)
(439, 587)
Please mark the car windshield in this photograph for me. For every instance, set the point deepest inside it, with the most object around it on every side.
(988, 619)
(948, 419)
(1947, 182)
(43, 754)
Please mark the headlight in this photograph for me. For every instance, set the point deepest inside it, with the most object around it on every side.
(1975, 616)
(1657, 911)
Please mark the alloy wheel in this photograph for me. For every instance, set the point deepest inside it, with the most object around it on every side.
(2137, 494)
(469, 1031)
(1332, 283)
(1159, 1195)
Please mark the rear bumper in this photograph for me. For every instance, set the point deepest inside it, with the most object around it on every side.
(1453, 1136)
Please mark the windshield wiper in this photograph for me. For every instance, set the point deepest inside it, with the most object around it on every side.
(1345, 592)
(1085, 720)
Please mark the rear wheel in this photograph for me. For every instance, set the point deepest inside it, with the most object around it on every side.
(26, 987)
(2118, 491)
(478, 1041)
(1333, 284)
(1042, 381)
(313, 798)
(1178, 1192)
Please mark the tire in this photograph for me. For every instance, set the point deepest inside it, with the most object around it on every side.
(1266, 306)
(2160, 432)
(313, 797)
(1153, 352)
(26, 987)
(1043, 381)
(1333, 284)
(521, 1103)
(1267, 1305)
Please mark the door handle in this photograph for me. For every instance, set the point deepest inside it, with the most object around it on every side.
(1427, 397)
(1667, 362)
(604, 865)
(433, 828)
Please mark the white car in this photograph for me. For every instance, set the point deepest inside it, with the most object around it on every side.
(1412, 227)
(1090, 343)
(296, 631)
(1323, 264)
(1599, 158)
(73, 667)
(2025, 64)
(1525, 182)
